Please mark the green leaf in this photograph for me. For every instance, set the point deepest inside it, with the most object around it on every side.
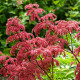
(6, 51)
(12, 12)
(69, 73)
(2, 18)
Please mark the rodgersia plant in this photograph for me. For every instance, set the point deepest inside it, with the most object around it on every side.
(35, 56)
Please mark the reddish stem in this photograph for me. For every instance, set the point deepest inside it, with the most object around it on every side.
(43, 70)
(52, 69)
(72, 48)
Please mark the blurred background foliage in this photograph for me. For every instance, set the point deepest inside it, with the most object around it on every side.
(64, 9)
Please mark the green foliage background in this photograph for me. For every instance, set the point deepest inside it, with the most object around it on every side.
(64, 9)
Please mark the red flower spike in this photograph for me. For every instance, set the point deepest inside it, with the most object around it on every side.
(30, 6)
(38, 42)
(51, 39)
(28, 45)
(60, 21)
(45, 25)
(23, 46)
(63, 27)
(72, 25)
(23, 36)
(77, 36)
(6, 60)
(34, 12)
(3, 59)
(46, 17)
(55, 50)
(49, 51)
(72, 63)
(14, 26)
(60, 28)
(77, 51)
(62, 42)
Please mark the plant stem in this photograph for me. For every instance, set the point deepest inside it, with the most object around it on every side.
(71, 43)
(72, 48)
(42, 62)
(77, 59)
(43, 70)
(67, 37)
(74, 54)
(52, 69)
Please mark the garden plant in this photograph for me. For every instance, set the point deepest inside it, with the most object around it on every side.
(33, 56)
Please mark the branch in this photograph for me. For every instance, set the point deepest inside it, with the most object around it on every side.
(52, 69)
(43, 70)
(71, 43)
(72, 48)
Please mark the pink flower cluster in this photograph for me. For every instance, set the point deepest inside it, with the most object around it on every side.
(59, 28)
(20, 36)
(14, 26)
(34, 11)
